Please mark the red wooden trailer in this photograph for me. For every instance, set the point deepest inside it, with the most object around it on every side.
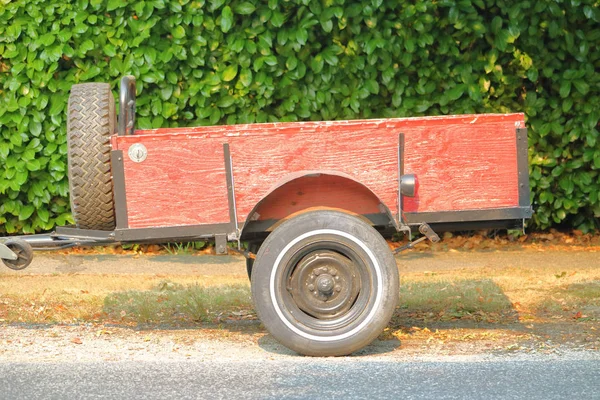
(312, 200)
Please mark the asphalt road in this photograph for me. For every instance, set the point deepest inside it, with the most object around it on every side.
(573, 377)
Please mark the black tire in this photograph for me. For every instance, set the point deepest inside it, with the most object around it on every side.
(23, 251)
(325, 283)
(91, 122)
(252, 248)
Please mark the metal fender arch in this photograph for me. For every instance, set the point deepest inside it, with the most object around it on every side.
(256, 222)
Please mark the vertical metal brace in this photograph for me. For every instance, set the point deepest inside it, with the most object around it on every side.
(523, 169)
(400, 173)
(230, 188)
(120, 199)
(402, 226)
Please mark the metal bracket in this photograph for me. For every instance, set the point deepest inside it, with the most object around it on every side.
(221, 244)
(127, 106)
(427, 232)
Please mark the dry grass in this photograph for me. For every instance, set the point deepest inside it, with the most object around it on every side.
(75, 298)
(170, 303)
(484, 295)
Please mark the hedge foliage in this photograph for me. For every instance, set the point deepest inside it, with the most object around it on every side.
(240, 61)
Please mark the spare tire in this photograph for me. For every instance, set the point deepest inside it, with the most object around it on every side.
(91, 122)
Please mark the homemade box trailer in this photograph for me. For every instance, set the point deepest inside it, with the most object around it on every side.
(313, 201)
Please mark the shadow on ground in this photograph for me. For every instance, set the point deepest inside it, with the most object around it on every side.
(436, 305)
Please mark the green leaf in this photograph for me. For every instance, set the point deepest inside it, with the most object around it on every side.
(456, 92)
(86, 46)
(229, 73)
(581, 86)
(330, 58)
(372, 86)
(43, 214)
(246, 77)
(291, 63)
(25, 212)
(168, 110)
(225, 101)
(35, 128)
(166, 92)
(245, 8)
(565, 88)
(178, 32)
(327, 26)
(33, 165)
(226, 19)
(47, 39)
(317, 63)
(114, 4)
(277, 19)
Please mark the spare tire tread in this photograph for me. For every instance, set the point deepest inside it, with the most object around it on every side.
(91, 122)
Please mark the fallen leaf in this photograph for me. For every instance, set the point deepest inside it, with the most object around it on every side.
(76, 340)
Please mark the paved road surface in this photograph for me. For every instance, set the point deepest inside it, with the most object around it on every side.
(573, 377)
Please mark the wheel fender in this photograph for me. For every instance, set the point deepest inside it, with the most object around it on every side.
(316, 173)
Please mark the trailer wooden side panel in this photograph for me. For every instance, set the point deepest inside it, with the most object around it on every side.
(461, 163)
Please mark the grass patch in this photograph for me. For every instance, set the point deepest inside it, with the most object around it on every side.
(170, 302)
(579, 301)
(480, 300)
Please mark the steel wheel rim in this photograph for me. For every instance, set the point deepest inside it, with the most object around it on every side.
(356, 304)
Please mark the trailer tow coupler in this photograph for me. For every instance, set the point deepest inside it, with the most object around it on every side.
(427, 232)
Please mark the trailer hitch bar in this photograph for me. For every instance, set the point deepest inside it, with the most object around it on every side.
(427, 232)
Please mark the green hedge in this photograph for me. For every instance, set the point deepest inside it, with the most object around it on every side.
(223, 61)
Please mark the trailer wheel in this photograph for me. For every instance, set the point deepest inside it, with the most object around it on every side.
(91, 122)
(23, 251)
(325, 283)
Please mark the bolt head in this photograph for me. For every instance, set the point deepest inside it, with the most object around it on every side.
(311, 287)
(338, 288)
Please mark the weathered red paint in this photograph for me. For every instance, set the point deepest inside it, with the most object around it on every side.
(462, 163)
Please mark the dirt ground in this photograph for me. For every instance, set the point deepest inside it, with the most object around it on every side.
(517, 299)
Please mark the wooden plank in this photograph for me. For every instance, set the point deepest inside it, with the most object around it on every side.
(461, 162)
(181, 182)
(462, 168)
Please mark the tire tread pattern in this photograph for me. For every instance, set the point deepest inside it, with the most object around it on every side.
(91, 122)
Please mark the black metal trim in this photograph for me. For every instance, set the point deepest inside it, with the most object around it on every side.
(377, 219)
(468, 215)
(523, 167)
(476, 225)
(172, 232)
(91, 234)
(230, 187)
(127, 106)
(120, 198)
